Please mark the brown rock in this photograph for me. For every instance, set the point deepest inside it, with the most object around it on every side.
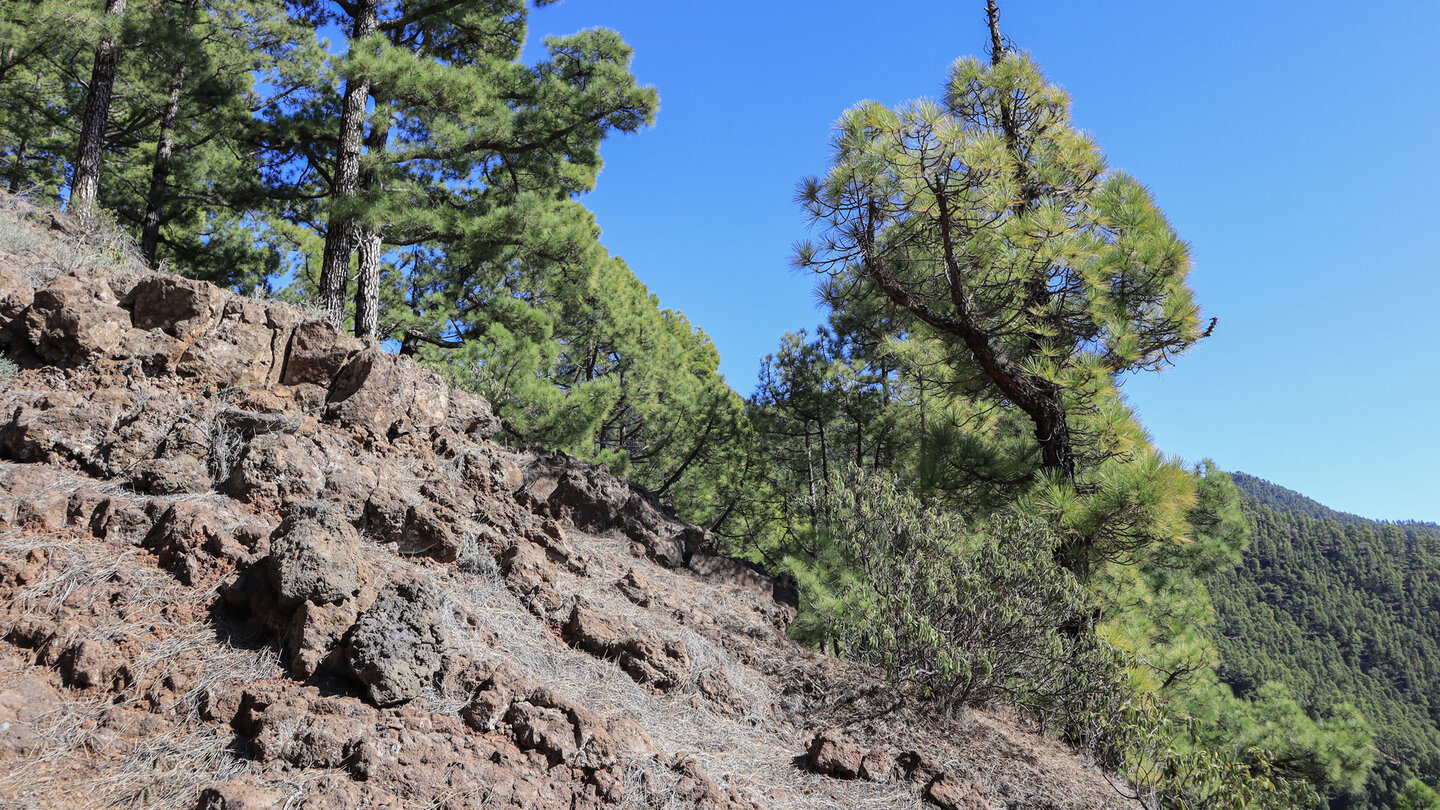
(94, 664)
(181, 307)
(183, 536)
(543, 729)
(385, 394)
(662, 664)
(636, 587)
(278, 467)
(313, 639)
(833, 754)
(696, 789)
(178, 475)
(317, 352)
(631, 740)
(220, 702)
(314, 557)
(237, 348)
(949, 792)
(75, 320)
(527, 572)
(33, 497)
(432, 530)
(879, 766)
(245, 793)
(27, 700)
(722, 694)
(60, 427)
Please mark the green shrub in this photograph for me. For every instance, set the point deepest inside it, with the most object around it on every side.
(968, 616)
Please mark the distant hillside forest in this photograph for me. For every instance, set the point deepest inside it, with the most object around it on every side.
(1340, 609)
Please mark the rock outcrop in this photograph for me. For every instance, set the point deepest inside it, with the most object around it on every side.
(247, 561)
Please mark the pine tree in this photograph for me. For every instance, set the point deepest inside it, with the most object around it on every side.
(191, 83)
(209, 69)
(1036, 275)
(44, 46)
(469, 161)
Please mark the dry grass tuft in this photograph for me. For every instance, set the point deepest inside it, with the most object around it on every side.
(84, 761)
(42, 245)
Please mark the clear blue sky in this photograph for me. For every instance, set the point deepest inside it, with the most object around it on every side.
(1295, 145)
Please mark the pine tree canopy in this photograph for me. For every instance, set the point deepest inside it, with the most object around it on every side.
(994, 230)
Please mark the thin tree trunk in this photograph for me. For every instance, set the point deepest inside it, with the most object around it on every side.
(85, 183)
(371, 238)
(997, 42)
(340, 230)
(160, 170)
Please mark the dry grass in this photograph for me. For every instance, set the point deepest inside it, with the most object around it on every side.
(84, 761)
(752, 754)
(41, 245)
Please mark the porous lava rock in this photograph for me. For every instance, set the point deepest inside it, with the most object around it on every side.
(248, 561)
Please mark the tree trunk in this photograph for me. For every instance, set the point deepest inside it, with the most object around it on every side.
(371, 238)
(160, 170)
(340, 230)
(85, 183)
(997, 42)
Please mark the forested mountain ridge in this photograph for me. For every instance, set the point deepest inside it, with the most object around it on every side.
(1340, 609)
(1288, 500)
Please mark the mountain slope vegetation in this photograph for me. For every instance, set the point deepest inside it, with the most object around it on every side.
(1340, 609)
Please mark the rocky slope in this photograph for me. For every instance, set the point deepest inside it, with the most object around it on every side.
(248, 562)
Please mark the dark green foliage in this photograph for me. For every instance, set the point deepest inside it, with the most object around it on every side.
(990, 281)
(178, 148)
(598, 369)
(1281, 499)
(1340, 612)
(971, 615)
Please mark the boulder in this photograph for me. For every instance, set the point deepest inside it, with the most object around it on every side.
(277, 467)
(316, 353)
(395, 648)
(183, 308)
(386, 395)
(314, 557)
(75, 320)
(313, 639)
(949, 792)
(833, 754)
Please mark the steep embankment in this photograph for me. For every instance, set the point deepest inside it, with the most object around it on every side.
(248, 562)
(1341, 609)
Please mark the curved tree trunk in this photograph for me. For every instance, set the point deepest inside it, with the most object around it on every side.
(85, 183)
(340, 230)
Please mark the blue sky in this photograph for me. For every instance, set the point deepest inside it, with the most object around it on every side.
(1295, 145)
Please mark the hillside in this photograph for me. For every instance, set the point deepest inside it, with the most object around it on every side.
(1341, 609)
(1281, 499)
(248, 562)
